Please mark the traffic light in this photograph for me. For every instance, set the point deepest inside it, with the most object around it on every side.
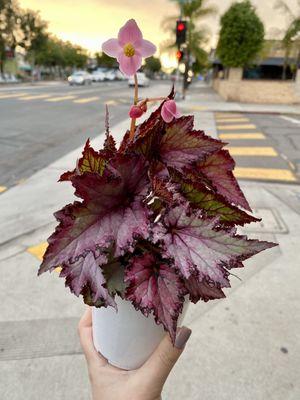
(181, 27)
(179, 55)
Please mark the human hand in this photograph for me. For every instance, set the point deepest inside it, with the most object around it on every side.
(145, 383)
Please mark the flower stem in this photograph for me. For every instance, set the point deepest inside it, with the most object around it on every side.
(135, 100)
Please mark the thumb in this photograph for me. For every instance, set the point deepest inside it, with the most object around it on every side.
(163, 359)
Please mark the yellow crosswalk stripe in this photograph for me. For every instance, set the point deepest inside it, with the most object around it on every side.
(228, 115)
(55, 99)
(35, 97)
(86, 100)
(242, 136)
(221, 120)
(198, 108)
(38, 251)
(236, 127)
(265, 174)
(111, 103)
(252, 151)
(2, 189)
(11, 96)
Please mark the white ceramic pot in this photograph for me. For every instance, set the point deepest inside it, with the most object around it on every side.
(126, 338)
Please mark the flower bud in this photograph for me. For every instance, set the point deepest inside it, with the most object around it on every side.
(135, 112)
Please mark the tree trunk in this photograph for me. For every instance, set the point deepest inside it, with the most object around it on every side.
(297, 70)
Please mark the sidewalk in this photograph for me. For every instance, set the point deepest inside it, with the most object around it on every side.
(243, 347)
(202, 97)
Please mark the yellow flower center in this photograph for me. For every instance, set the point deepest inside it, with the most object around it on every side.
(129, 50)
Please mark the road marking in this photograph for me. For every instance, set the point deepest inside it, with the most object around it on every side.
(265, 174)
(253, 151)
(293, 120)
(228, 115)
(111, 103)
(38, 251)
(2, 189)
(198, 108)
(236, 127)
(38, 96)
(221, 120)
(11, 96)
(242, 136)
(86, 100)
(55, 99)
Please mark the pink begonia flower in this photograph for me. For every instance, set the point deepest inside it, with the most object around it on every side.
(169, 111)
(129, 48)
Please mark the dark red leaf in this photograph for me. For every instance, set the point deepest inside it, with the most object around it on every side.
(155, 287)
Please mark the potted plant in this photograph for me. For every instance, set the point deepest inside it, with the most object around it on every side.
(155, 226)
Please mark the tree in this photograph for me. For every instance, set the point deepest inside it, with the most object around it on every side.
(34, 33)
(152, 64)
(9, 28)
(104, 61)
(193, 11)
(291, 35)
(57, 53)
(241, 36)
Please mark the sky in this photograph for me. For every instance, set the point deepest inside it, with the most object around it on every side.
(91, 22)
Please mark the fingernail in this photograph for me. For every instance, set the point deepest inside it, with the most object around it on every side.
(182, 337)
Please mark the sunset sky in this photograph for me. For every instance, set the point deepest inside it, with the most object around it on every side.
(90, 22)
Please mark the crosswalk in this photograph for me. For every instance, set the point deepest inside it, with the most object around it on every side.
(254, 152)
(60, 98)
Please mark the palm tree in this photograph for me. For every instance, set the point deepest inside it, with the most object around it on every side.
(193, 11)
(292, 34)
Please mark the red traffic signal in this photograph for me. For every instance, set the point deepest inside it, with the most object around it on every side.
(179, 55)
(181, 27)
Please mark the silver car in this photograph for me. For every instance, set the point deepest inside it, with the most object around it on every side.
(80, 78)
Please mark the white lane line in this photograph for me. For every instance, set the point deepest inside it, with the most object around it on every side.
(290, 119)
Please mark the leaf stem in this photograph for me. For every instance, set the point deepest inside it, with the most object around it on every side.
(135, 100)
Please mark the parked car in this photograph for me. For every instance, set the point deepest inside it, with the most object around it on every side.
(8, 78)
(110, 75)
(142, 80)
(98, 76)
(80, 78)
(120, 76)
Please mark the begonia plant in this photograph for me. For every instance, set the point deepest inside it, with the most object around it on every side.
(156, 218)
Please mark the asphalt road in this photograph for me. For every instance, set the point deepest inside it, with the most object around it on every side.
(39, 124)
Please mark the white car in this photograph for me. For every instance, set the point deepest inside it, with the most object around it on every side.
(110, 75)
(80, 78)
(98, 76)
(120, 76)
(142, 80)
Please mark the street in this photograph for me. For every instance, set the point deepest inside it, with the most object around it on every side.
(39, 124)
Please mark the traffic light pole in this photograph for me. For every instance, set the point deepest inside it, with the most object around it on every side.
(186, 74)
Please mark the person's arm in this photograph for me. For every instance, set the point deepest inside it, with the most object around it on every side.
(145, 383)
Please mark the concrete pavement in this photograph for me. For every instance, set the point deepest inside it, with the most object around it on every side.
(202, 97)
(243, 347)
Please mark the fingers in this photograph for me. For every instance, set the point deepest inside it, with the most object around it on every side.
(86, 338)
(163, 359)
